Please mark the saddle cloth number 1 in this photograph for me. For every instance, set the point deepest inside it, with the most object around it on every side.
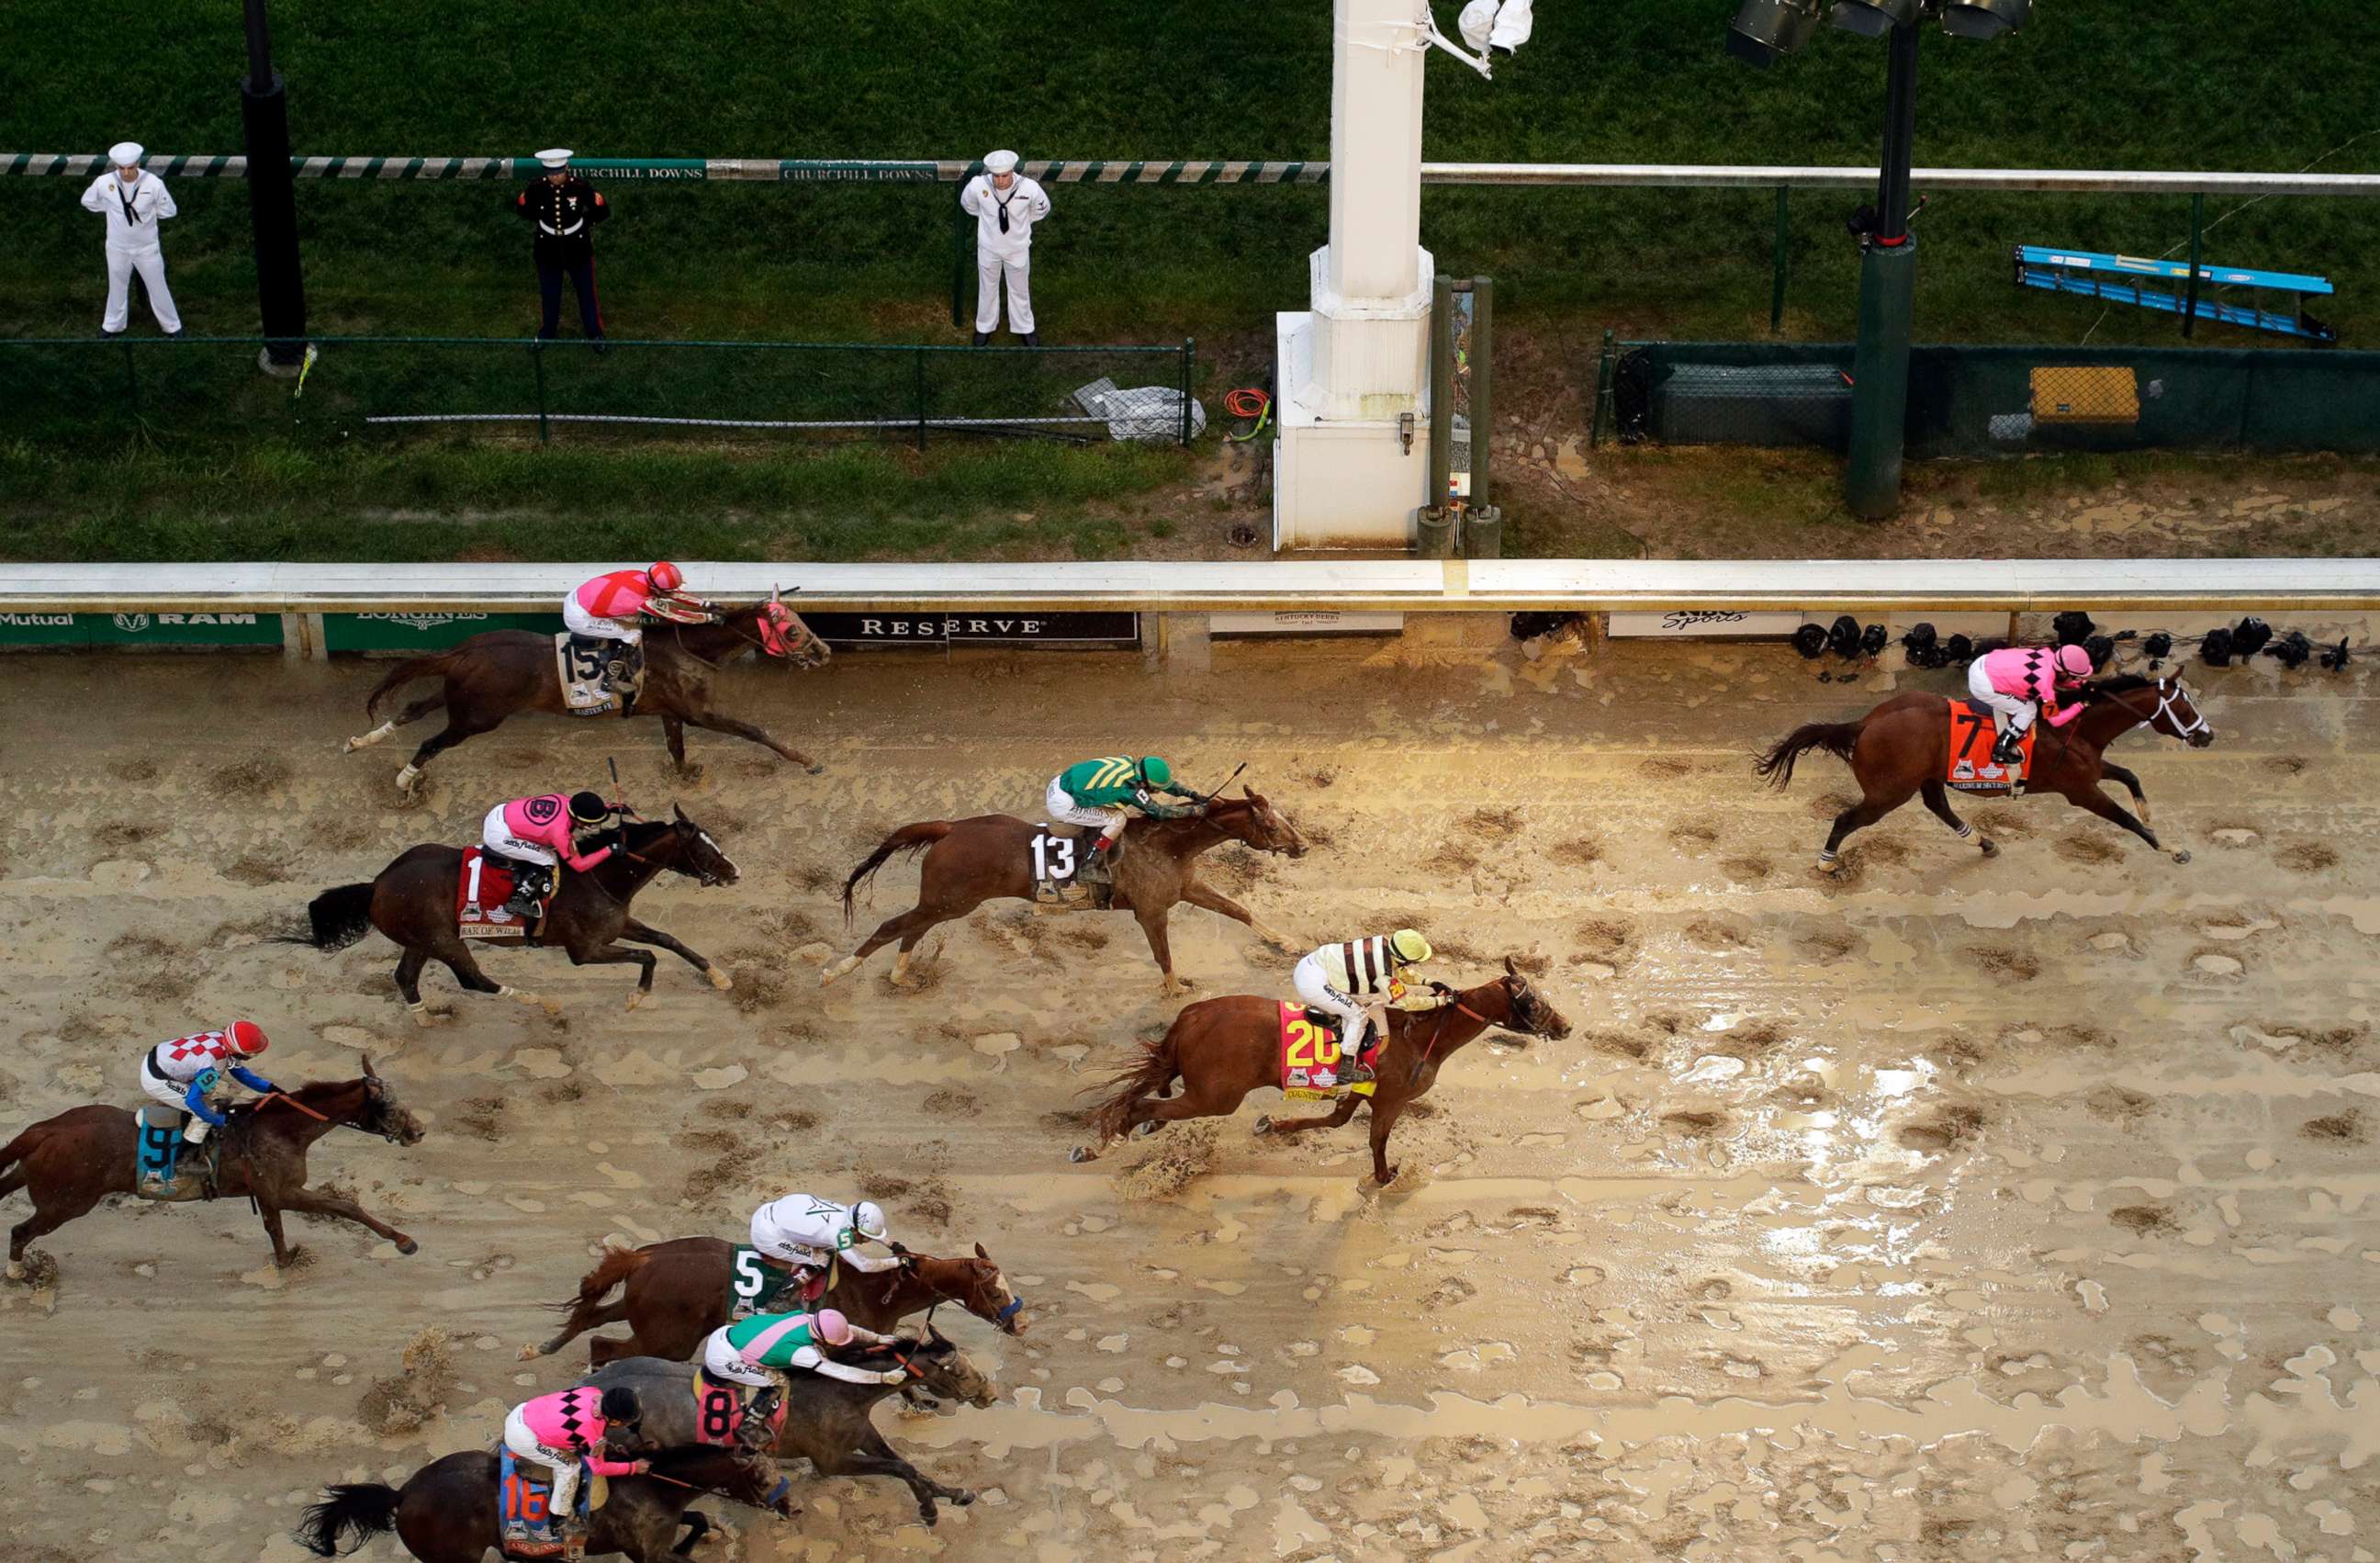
(1053, 856)
(1311, 1046)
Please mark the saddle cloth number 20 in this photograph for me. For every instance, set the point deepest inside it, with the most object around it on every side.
(1311, 1046)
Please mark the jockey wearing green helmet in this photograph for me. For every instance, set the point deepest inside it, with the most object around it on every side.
(1103, 794)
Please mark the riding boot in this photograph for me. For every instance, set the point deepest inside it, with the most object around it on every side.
(2010, 748)
(758, 1412)
(528, 890)
(1352, 1069)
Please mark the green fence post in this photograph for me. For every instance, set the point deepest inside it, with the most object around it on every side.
(1483, 388)
(1603, 372)
(537, 357)
(1777, 287)
(921, 357)
(132, 378)
(965, 225)
(1189, 378)
(2197, 226)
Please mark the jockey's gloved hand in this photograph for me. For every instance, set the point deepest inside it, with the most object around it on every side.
(1441, 990)
(899, 1246)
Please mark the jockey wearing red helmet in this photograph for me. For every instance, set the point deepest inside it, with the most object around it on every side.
(610, 607)
(182, 1074)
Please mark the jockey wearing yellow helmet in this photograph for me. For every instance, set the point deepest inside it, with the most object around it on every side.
(1351, 979)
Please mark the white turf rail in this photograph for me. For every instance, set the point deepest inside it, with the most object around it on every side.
(1394, 585)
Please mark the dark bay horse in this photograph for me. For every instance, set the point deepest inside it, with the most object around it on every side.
(1222, 1048)
(69, 1162)
(502, 671)
(413, 903)
(826, 1421)
(447, 1511)
(674, 1294)
(1902, 749)
(988, 857)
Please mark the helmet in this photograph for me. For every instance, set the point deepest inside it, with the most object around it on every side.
(620, 1404)
(2075, 662)
(1409, 946)
(1155, 771)
(832, 1328)
(588, 807)
(246, 1037)
(665, 577)
(868, 1219)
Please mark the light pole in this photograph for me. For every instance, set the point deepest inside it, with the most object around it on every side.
(1764, 30)
(273, 201)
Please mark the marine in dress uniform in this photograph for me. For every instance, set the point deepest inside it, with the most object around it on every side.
(1005, 205)
(134, 201)
(563, 207)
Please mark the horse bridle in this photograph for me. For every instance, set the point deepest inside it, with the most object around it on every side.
(1437, 1026)
(702, 876)
(1014, 1305)
(2170, 690)
(371, 1089)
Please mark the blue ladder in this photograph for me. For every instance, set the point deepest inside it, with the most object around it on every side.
(2129, 279)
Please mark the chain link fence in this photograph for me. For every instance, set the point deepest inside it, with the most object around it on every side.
(91, 391)
(1974, 401)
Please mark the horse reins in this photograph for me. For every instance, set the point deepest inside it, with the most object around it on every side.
(1437, 1029)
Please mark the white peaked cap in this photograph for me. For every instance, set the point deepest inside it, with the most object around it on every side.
(555, 158)
(1000, 163)
(126, 153)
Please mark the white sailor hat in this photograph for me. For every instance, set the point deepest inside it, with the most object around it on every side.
(1000, 163)
(555, 158)
(125, 154)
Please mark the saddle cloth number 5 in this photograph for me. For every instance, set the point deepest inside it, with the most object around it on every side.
(1053, 856)
(1311, 1046)
(751, 1276)
(586, 661)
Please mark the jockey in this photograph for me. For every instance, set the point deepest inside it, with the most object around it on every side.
(804, 1234)
(608, 607)
(182, 1073)
(1103, 794)
(764, 1351)
(2018, 684)
(538, 832)
(559, 1431)
(1340, 979)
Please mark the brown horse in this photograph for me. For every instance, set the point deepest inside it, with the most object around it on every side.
(502, 671)
(69, 1162)
(413, 903)
(674, 1294)
(1222, 1048)
(989, 857)
(447, 1511)
(1903, 748)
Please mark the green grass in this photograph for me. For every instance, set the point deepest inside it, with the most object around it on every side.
(2189, 83)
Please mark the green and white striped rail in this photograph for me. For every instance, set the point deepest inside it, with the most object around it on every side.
(1228, 171)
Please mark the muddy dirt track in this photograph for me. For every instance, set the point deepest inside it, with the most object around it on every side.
(1960, 1209)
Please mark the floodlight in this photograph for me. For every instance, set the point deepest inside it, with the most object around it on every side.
(1984, 19)
(1873, 18)
(1765, 28)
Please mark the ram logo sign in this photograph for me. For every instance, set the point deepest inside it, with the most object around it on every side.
(141, 630)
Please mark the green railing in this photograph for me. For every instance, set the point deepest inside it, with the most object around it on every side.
(95, 390)
(1970, 401)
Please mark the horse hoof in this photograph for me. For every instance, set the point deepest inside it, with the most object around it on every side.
(1264, 1123)
(17, 1271)
(1079, 1154)
(963, 1498)
(1991, 847)
(1143, 1130)
(720, 979)
(1830, 866)
(635, 996)
(819, 771)
(2182, 855)
(283, 1261)
(407, 1246)
(528, 1353)
(839, 969)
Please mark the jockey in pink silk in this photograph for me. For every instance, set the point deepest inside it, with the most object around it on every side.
(537, 833)
(2021, 682)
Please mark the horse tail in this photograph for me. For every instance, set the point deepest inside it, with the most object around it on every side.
(908, 838)
(11, 1153)
(1158, 1062)
(1835, 737)
(335, 918)
(405, 672)
(368, 1508)
(616, 1265)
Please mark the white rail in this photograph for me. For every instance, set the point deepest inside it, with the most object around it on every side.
(1393, 585)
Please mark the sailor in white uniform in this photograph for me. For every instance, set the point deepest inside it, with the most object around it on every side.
(1005, 205)
(134, 201)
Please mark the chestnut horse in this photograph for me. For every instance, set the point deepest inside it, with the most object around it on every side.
(1903, 748)
(496, 675)
(447, 1511)
(1222, 1048)
(990, 857)
(413, 903)
(674, 1294)
(69, 1162)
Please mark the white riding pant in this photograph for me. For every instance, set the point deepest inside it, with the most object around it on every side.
(498, 837)
(990, 270)
(150, 264)
(165, 1092)
(562, 1467)
(721, 1358)
(2011, 714)
(777, 1243)
(580, 622)
(1063, 808)
(1314, 986)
